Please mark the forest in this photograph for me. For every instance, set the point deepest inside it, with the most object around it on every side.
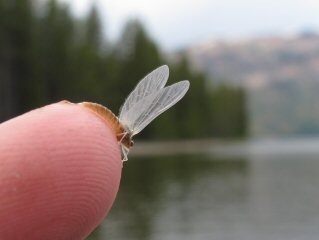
(48, 55)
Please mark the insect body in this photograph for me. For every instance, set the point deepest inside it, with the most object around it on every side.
(148, 100)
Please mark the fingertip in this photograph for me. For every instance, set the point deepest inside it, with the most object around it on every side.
(60, 173)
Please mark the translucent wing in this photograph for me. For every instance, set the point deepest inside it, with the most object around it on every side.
(150, 84)
(148, 108)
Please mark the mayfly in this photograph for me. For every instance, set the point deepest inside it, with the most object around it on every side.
(148, 100)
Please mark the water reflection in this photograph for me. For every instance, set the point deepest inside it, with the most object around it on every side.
(162, 197)
(204, 197)
(285, 197)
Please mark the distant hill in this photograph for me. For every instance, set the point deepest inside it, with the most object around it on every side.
(281, 75)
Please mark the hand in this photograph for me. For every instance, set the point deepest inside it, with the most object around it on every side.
(60, 169)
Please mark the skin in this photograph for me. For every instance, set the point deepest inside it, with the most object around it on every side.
(60, 169)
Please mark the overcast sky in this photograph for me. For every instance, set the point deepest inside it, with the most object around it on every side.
(179, 23)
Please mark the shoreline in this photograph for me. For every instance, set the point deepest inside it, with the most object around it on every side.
(230, 147)
(195, 146)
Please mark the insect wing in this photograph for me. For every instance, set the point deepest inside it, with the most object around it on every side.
(143, 112)
(150, 84)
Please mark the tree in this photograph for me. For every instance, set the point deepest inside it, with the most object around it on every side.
(193, 113)
(137, 54)
(15, 29)
(228, 107)
(54, 45)
(48, 55)
(89, 70)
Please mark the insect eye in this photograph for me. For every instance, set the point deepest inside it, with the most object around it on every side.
(131, 144)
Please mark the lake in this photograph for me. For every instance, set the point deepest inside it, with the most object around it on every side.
(265, 190)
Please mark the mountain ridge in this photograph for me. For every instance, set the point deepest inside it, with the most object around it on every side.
(280, 75)
(258, 61)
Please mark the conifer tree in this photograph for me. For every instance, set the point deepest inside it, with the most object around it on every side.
(89, 72)
(137, 55)
(54, 48)
(15, 29)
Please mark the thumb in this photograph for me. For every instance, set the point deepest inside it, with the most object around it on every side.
(60, 169)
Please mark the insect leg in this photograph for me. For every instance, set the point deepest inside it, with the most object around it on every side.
(123, 135)
(124, 152)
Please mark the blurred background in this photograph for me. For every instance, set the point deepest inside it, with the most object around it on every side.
(237, 157)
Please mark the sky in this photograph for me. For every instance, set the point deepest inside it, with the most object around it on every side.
(176, 24)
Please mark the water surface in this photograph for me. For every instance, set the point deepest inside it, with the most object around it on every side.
(262, 194)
